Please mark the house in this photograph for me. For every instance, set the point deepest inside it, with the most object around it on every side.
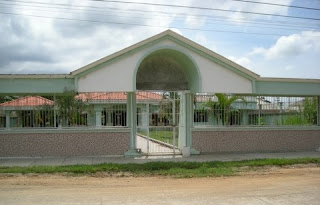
(160, 87)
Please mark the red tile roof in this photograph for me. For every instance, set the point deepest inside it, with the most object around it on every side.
(30, 101)
(118, 96)
(27, 101)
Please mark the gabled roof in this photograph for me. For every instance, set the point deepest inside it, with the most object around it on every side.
(183, 41)
(28, 101)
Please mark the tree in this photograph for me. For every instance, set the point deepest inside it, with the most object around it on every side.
(7, 98)
(70, 108)
(310, 110)
(165, 114)
(222, 108)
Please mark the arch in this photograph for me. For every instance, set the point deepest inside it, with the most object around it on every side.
(167, 68)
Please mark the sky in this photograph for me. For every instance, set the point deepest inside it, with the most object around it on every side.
(57, 37)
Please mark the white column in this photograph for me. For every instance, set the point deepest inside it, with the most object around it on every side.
(318, 113)
(54, 111)
(182, 121)
(108, 113)
(8, 119)
(147, 127)
(98, 114)
(132, 124)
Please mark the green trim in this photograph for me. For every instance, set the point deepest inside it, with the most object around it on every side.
(117, 58)
(209, 129)
(36, 76)
(76, 84)
(179, 42)
(97, 67)
(63, 130)
(253, 86)
(35, 85)
(218, 61)
(287, 88)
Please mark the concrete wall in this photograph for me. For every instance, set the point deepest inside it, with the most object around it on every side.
(214, 77)
(256, 141)
(63, 144)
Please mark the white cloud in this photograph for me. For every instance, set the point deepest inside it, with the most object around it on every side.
(257, 8)
(204, 41)
(295, 55)
(243, 61)
(290, 46)
(194, 22)
(36, 45)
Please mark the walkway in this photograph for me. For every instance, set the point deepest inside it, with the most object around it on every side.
(154, 146)
(57, 161)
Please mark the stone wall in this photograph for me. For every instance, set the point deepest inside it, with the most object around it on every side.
(63, 144)
(256, 141)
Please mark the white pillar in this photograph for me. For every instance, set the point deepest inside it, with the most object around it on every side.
(318, 113)
(8, 119)
(109, 123)
(182, 121)
(54, 111)
(98, 114)
(132, 124)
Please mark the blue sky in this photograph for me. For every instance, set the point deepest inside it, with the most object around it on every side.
(50, 45)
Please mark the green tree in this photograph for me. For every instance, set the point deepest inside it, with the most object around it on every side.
(70, 108)
(310, 110)
(222, 108)
(165, 107)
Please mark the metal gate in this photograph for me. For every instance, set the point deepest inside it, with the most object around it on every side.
(158, 122)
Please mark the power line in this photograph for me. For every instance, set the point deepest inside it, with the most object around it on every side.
(207, 8)
(190, 7)
(282, 5)
(222, 18)
(139, 17)
(146, 25)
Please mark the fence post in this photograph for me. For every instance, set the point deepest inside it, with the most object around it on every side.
(318, 110)
(98, 115)
(132, 124)
(8, 119)
(189, 122)
(54, 111)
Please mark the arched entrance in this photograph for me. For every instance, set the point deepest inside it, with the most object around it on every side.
(164, 80)
(167, 69)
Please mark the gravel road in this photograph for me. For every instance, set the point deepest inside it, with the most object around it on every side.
(275, 186)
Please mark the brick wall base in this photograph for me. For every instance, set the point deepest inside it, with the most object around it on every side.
(256, 141)
(63, 144)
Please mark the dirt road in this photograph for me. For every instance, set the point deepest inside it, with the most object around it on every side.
(278, 186)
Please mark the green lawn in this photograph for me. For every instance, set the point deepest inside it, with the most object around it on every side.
(173, 169)
(163, 136)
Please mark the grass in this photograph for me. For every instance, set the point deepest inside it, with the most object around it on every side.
(173, 169)
(161, 135)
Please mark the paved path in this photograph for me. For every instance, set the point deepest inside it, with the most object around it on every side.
(56, 161)
(154, 147)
